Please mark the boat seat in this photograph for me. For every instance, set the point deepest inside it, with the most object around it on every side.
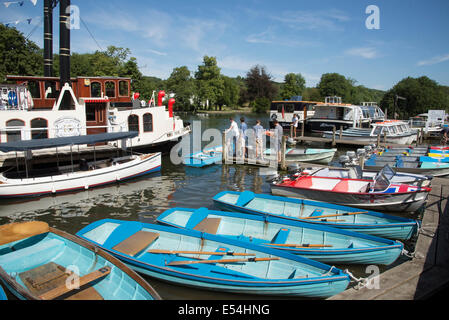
(281, 237)
(342, 186)
(19, 231)
(303, 182)
(208, 225)
(43, 279)
(136, 243)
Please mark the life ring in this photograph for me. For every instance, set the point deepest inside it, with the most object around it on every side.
(12, 98)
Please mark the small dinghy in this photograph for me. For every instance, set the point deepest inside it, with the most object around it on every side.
(317, 242)
(408, 165)
(3, 296)
(204, 158)
(376, 194)
(41, 263)
(322, 156)
(356, 172)
(203, 260)
(319, 213)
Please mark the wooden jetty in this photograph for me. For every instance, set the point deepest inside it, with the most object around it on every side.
(428, 272)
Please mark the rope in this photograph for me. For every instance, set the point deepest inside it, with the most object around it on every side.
(361, 282)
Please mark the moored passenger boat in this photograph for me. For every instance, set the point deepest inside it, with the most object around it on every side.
(81, 175)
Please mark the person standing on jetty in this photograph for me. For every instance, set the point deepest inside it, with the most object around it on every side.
(232, 136)
(295, 122)
(243, 140)
(259, 132)
(277, 134)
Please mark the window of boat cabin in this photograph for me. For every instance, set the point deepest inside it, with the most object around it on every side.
(14, 135)
(147, 122)
(95, 89)
(42, 124)
(123, 89)
(110, 89)
(34, 89)
(50, 90)
(377, 131)
(133, 123)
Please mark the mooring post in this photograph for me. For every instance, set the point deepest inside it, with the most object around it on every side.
(283, 150)
(333, 136)
(224, 148)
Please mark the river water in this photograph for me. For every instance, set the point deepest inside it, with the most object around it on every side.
(173, 186)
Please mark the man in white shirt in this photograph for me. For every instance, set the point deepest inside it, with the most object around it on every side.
(295, 122)
(232, 135)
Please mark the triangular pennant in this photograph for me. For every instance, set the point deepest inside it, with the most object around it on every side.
(33, 2)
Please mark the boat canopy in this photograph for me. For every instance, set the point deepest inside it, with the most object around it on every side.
(27, 145)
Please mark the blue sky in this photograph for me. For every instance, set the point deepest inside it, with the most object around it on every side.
(307, 37)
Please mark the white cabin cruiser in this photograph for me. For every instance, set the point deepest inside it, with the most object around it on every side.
(333, 113)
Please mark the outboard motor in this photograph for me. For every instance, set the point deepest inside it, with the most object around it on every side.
(351, 154)
(294, 167)
(361, 153)
(344, 160)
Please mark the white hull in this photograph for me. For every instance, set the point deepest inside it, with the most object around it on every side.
(79, 180)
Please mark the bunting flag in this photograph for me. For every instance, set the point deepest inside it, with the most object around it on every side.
(29, 20)
(20, 3)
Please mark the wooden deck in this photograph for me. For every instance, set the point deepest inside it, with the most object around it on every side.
(428, 272)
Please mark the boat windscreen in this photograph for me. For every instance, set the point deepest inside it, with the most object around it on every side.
(381, 182)
(388, 172)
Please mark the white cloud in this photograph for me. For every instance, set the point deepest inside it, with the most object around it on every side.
(434, 60)
(364, 52)
(269, 36)
(313, 20)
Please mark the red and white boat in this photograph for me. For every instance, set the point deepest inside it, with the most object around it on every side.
(378, 194)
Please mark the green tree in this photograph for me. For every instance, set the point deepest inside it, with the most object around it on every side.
(259, 84)
(261, 105)
(18, 55)
(231, 93)
(210, 84)
(182, 85)
(421, 94)
(334, 84)
(294, 85)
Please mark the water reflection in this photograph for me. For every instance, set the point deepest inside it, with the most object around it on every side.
(174, 186)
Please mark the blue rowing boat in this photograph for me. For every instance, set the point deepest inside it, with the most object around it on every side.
(320, 243)
(3, 296)
(204, 158)
(319, 213)
(42, 263)
(206, 261)
(409, 165)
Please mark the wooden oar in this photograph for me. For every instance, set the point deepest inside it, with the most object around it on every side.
(335, 215)
(180, 263)
(201, 253)
(299, 245)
